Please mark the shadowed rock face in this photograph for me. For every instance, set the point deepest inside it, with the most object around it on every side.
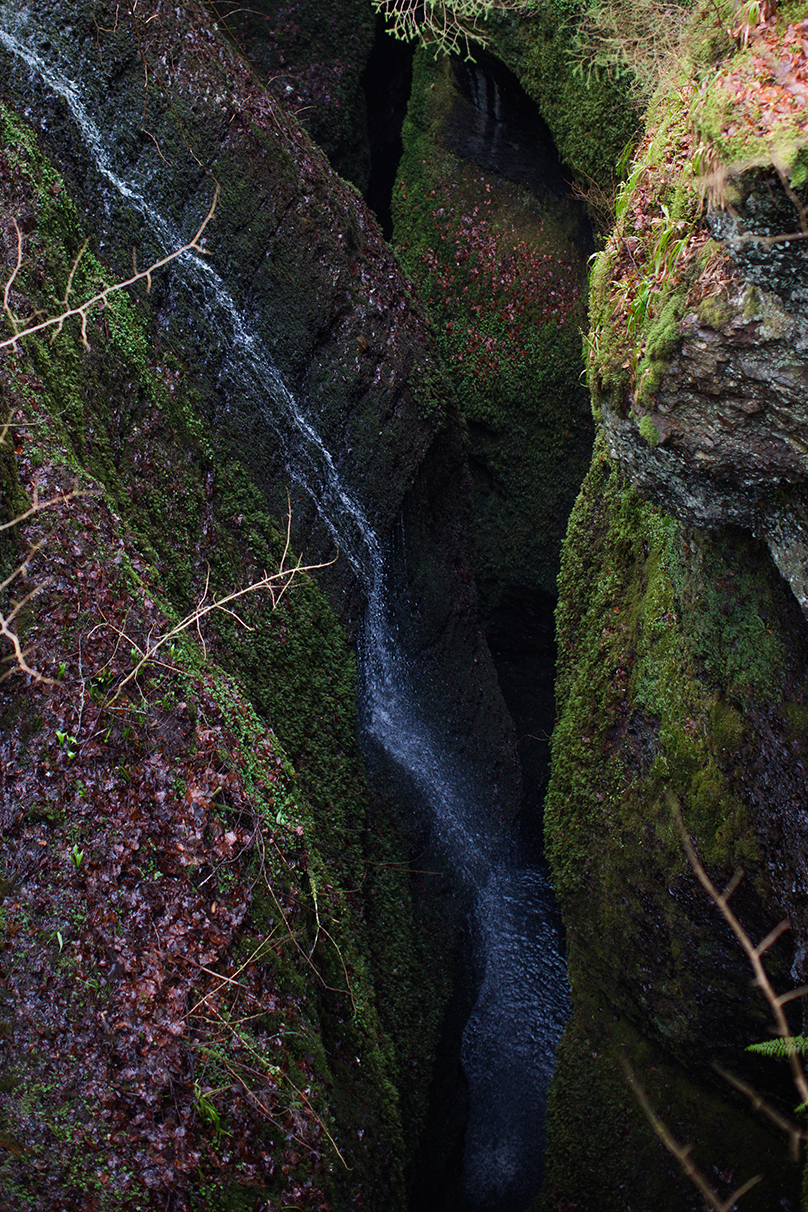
(312, 57)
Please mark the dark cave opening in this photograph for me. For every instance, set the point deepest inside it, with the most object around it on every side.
(387, 81)
(521, 638)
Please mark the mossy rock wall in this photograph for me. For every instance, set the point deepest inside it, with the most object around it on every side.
(198, 494)
(682, 646)
(500, 270)
(696, 352)
(186, 520)
(682, 662)
(294, 247)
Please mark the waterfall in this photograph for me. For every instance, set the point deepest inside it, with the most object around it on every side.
(511, 1036)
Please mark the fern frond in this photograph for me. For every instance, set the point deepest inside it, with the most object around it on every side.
(782, 1047)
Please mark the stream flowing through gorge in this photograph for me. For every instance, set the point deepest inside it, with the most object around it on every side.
(522, 1000)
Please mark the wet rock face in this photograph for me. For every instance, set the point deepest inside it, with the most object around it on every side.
(296, 251)
(729, 416)
(764, 233)
(313, 361)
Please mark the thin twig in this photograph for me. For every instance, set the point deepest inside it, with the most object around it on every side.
(753, 953)
(682, 1152)
(83, 309)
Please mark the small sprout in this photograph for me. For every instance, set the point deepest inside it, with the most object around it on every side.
(76, 856)
(62, 671)
(60, 940)
(207, 1111)
(68, 742)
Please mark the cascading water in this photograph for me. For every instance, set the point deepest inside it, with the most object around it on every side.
(511, 1035)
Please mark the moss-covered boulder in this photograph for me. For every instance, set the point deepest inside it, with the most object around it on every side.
(682, 661)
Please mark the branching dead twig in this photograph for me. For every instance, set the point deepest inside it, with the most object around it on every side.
(8, 618)
(754, 953)
(83, 310)
(682, 1152)
(275, 584)
(32, 327)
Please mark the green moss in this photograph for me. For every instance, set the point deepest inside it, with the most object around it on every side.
(641, 279)
(671, 645)
(591, 117)
(649, 431)
(714, 312)
(501, 277)
(727, 726)
(128, 415)
(655, 641)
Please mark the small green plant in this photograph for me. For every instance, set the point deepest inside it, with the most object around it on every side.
(781, 1048)
(68, 742)
(76, 857)
(207, 1112)
(649, 431)
(445, 26)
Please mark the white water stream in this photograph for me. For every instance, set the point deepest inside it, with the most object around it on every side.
(511, 1037)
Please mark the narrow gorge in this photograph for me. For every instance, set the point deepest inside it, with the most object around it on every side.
(347, 626)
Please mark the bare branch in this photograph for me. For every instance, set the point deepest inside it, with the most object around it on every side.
(682, 1152)
(275, 584)
(82, 310)
(10, 281)
(19, 655)
(752, 952)
(38, 506)
(795, 1135)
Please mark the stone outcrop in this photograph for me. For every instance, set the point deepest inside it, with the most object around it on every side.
(682, 647)
(728, 418)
